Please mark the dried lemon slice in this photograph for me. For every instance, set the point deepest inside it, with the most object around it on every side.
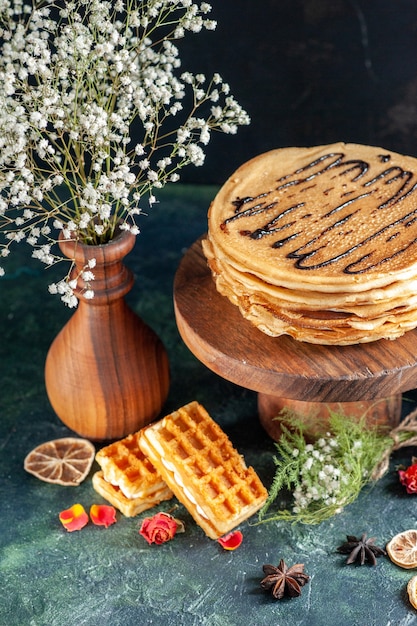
(412, 591)
(64, 461)
(402, 549)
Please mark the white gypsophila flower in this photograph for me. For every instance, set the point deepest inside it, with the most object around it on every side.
(320, 481)
(87, 90)
(87, 276)
(308, 463)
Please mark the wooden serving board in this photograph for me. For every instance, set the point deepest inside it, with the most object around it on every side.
(280, 367)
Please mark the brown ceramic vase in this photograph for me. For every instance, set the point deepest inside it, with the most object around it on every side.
(106, 372)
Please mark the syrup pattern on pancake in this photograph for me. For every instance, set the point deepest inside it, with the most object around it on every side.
(337, 233)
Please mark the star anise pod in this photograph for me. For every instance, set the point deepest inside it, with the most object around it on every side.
(361, 549)
(284, 580)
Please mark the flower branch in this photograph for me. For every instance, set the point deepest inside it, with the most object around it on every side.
(326, 474)
(89, 91)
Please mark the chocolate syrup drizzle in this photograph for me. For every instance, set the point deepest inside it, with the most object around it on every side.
(285, 225)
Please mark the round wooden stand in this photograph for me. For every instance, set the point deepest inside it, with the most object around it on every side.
(363, 379)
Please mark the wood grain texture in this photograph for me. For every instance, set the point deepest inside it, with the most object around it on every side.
(106, 372)
(383, 413)
(218, 335)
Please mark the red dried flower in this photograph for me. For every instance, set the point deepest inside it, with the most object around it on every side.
(408, 478)
(160, 528)
(102, 514)
(74, 518)
(231, 541)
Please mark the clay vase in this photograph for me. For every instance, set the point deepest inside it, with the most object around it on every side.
(106, 372)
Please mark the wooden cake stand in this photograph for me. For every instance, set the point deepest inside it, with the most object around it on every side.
(364, 379)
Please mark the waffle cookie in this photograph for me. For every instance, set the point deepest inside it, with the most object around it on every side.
(198, 462)
(128, 479)
(130, 507)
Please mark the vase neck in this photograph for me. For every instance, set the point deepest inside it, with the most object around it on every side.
(112, 279)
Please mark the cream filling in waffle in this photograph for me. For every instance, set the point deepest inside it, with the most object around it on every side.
(178, 480)
(130, 507)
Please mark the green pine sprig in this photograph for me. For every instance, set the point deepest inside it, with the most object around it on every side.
(327, 474)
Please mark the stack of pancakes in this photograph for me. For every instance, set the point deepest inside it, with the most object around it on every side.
(319, 243)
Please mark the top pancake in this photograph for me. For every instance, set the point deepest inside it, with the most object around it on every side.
(340, 217)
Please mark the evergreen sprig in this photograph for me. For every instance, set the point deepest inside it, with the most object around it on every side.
(326, 474)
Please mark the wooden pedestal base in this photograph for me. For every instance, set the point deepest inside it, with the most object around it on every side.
(360, 379)
(384, 413)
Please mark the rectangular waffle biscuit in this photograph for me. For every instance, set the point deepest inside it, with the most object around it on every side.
(125, 466)
(198, 462)
(128, 506)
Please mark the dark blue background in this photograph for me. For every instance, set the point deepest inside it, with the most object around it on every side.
(310, 72)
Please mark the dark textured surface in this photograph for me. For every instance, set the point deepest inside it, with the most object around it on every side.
(50, 577)
(311, 72)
